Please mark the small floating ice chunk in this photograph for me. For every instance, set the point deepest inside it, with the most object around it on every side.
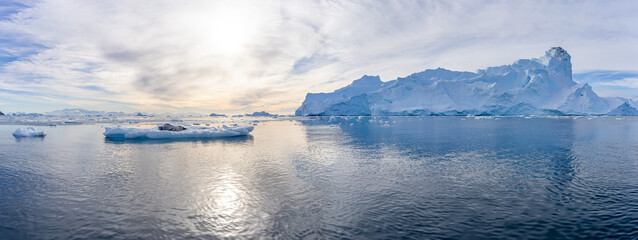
(194, 132)
(28, 132)
(483, 117)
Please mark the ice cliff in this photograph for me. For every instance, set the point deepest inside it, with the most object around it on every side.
(538, 86)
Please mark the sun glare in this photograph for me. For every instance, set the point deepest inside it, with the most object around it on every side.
(228, 31)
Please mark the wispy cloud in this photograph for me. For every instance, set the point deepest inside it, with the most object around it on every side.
(255, 96)
(629, 83)
(611, 83)
(231, 56)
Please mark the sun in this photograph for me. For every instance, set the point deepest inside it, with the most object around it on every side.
(230, 30)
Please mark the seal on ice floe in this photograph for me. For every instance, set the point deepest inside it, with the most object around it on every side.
(169, 127)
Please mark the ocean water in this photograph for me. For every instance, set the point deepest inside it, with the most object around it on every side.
(325, 178)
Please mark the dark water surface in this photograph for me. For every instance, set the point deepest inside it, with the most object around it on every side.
(404, 177)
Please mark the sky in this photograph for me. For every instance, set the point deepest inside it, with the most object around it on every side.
(243, 56)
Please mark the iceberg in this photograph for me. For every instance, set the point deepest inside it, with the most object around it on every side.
(260, 114)
(537, 86)
(624, 109)
(74, 112)
(190, 132)
(28, 132)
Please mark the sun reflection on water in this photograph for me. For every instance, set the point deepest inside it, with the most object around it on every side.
(225, 209)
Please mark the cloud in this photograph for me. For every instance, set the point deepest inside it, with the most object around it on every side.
(254, 96)
(630, 83)
(232, 56)
(611, 83)
(97, 89)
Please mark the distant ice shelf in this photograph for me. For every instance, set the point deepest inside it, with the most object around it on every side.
(190, 132)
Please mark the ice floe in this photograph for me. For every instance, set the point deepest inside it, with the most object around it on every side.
(190, 132)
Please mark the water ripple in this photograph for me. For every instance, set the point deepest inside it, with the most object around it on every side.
(330, 178)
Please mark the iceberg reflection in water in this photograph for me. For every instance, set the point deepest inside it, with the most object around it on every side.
(175, 140)
(330, 177)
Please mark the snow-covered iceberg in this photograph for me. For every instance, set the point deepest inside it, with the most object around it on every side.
(624, 109)
(28, 132)
(190, 132)
(260, 114)
(538, 86)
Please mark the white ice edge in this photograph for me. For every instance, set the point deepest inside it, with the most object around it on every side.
(28, 132)
(191, 132)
